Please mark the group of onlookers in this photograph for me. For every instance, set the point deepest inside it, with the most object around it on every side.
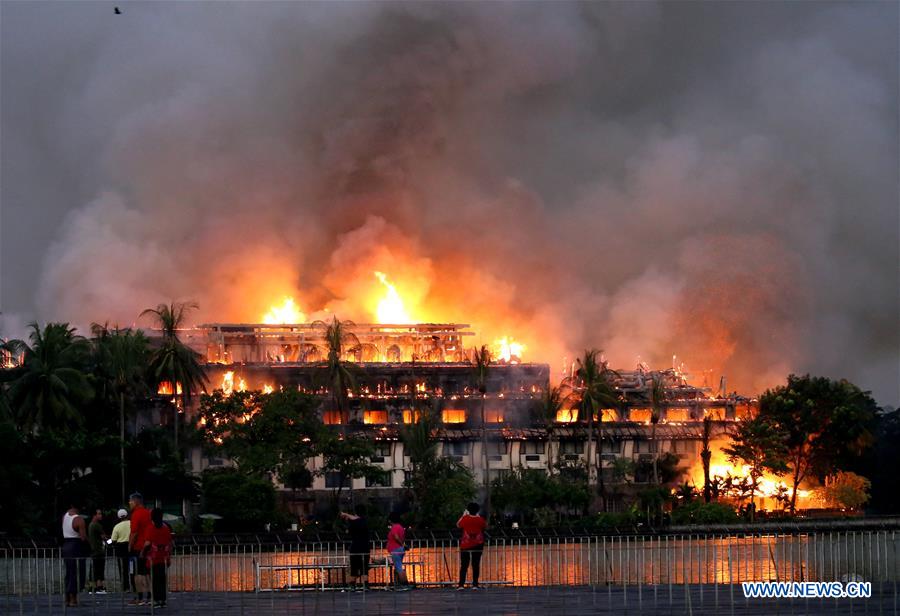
(471, 547)
(142, 546)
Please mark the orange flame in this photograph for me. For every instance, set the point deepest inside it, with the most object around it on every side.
(165, 388)
(391, 308)
(507, 349)
(286, 313)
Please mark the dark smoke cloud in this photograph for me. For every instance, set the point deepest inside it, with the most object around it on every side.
(716, 181)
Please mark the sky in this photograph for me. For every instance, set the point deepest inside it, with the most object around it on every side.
(712, 181)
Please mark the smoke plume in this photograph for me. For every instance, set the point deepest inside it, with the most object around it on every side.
(714, 181)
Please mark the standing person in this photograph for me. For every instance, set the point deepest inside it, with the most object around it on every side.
(471, 544)
(97, 541)
(73, 551)
(158, 552)
(120, 534)
(359, 546)
(140, 524)
(396, 541)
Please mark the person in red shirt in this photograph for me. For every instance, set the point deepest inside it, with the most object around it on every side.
(140, 524)
(396, 541)
(471, 544)
(158, 552)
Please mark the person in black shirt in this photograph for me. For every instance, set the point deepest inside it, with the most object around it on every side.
(359, 546)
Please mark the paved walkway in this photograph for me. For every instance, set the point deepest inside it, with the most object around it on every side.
(551, 601)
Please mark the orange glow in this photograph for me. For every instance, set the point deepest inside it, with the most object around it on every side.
(391, 308)
(242, 384)
(453, 416)
(267, 389)
(286, 313)
(507, 349)
(165, 388)
(331, 418)
(493, 416)
(567, 415)
(678, 414)
(639, 415)
(411, 416)
(228, 383)
(375, 417)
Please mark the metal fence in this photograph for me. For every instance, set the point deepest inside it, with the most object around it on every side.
(662, 561)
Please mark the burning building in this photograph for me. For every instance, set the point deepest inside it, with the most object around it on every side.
(404, 367)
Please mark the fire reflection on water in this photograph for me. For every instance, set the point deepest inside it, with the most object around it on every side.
(598, 560)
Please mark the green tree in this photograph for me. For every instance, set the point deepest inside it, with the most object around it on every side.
(481, 367)
(706, 458)
(595, 390)
(547, 412)
(848, 490)
(51, 386)
(350, 457)
(174, 361)
(827, 425)
(246, 503)
(758, 444)
(340, 374)
(657, 401)
(121, 370)
(264, 434)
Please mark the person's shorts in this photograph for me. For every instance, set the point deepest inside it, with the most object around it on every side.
(397, 557)
(359, 564)
(140, 564)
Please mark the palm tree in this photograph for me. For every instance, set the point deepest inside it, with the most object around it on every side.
(549, 406)
(706, 457)
(51, 384)
(122, 362)
(657, 394)
(173, 361)
(481, 366)
(595, 388)
(341, 375)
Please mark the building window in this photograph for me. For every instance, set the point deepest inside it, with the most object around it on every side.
(456, 448)
(610, 414)
(643, 446)
(567, 415)
(571, 447)
(453, 416)
(382, 453)
(496, 448)
(684, 447)
(679, 414)
(375, 417)
(639, 415)
(715, 414)
(531, 447)
(410, 416)
(334, 479)
(383, 480)
(331, 418)
(613, 446)
(493, 415)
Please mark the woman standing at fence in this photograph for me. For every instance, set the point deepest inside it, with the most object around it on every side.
(74, 553)
(471, 545)
(158, 552)
(396, 541)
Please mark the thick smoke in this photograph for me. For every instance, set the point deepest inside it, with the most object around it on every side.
(716, 181)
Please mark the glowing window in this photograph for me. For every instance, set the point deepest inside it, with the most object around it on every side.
(639, 415)
(375, 417)
(410, 416)
(567, 415)
(680, 414)
(715, 414)
(165, 388)
(331, 418)
(493, 416)
(610, 415)
(453, 416)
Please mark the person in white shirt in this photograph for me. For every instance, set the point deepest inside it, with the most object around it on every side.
(119, 539)
(74, 554)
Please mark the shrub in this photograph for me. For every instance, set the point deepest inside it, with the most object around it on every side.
(699, 512)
